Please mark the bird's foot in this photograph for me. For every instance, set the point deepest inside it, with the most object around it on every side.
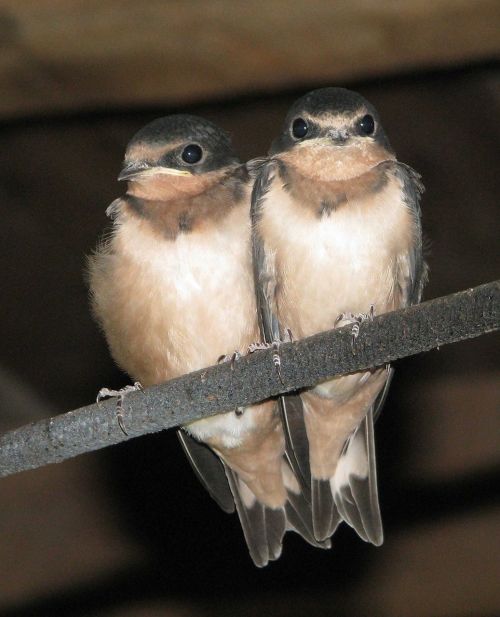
(120, 396)
(275, 345)
(356, 319)
(233, 357)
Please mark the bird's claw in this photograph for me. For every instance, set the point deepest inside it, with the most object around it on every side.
(120, 396)
(275, 345)
(232, 358)
(120, 419)
(277, 360)
(358, 319)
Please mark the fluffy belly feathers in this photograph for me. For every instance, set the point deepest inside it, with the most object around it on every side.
(338, 263)
(156, 301)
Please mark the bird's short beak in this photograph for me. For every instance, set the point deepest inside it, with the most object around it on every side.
(140, 170)
(338, 136)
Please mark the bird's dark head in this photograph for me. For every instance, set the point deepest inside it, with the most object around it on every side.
(178, 145)
(335, 126)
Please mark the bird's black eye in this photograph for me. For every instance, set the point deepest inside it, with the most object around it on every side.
(299, 128)
(367, 125)
(192, 154)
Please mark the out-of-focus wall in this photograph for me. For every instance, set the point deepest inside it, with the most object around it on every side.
(129, 531)
(66, 55)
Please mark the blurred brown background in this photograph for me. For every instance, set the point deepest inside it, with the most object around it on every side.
(129, 531)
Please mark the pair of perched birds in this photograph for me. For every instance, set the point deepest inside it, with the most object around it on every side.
(208, 255)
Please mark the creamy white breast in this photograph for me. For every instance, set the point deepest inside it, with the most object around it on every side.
(171, 307)
(341, 263)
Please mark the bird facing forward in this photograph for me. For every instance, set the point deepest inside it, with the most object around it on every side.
(337, 235)
(173, 291)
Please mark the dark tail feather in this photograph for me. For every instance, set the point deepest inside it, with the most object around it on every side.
(298, 514)
(354, 484)
(352, 494)
(325, 515)
(263, 527)
(275, 525)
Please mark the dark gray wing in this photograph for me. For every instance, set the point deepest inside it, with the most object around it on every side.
(291, 412)
(263, 266)
(413, 271)
(290, 407)
(381, 398)
(209, 469)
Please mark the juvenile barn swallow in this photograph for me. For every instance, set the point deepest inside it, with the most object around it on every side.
(173, 291)
(336, 222)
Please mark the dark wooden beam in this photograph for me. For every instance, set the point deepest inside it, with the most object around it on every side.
(73, 55)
